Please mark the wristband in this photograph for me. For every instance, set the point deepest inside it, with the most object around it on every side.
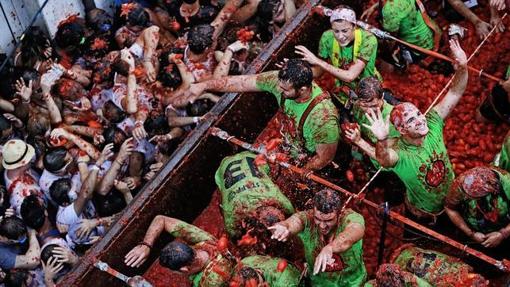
(196, 120)
(95, 167)
(138, 123)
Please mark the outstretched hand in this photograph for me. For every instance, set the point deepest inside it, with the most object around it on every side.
(378, 126)
(458, 54)
(308, 56)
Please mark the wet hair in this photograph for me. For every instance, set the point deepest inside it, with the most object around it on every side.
(5, 124)
(138, 17)
(189, 1)
(59, 190)
(200, 37)
(47, 252)
(167, 148)
(32, 212)
(176, 255)
(12, 228)
(99, 20)
(327, 201)
(63, 87)
(170, 76)
(369, 88)
(267, 8)
(199, 107)
(109, 136)
(248, 273)
(116, 114)
(297, 72)
(390, 275)
(70, 37)
(156, 125)
(38, 127)
(120, 66)
(16, 278)
(32, 46)
(53, 160)
(110, 204)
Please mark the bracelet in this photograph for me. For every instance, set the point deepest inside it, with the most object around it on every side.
(146, 244)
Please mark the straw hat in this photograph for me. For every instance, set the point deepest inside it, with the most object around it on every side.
(16, 153)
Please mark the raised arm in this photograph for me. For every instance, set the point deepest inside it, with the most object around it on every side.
(448, 103)
(324, 154)
(82, 144)
(354, 135)
(87, 189)
(245, 12)
(131, 99)
(347, 75)
(292, 225)
(482, 27)
(224, 65)
(384, 153)
(108, 180)
(231, 84)
(177, 228)
(223, 18)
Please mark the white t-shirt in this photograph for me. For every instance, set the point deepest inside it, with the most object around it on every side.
(47, 178)
(22, 187)
(142, 146)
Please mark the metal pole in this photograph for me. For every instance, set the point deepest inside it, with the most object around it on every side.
(382, 238)
(8, 24)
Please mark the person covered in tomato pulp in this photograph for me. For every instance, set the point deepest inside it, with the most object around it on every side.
(436, 268)
(332, 239)
(345, 51)
(391, 275)
(310, 125)
(248, 194)
(195, 254)
(419, 156)
(267, 271)
(478, 204)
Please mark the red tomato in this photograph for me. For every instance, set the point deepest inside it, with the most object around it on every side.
(222, 243)
(282, 264)
(234, 284)
(251, 283)
(260, 160)
(176, 26)
(273, 143)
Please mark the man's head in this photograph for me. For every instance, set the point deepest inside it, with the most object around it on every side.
(480, 181)
(390, 275)
(113, 113)
(200, 38)
(189, 8)
(409, 121)
(295, 79)
(178, 256)
(272, 11)
(327, 204)
(33, 212)
(70, 35)
(68, 89)
(99, 20)
(18, 278)
(48, 251)
(269, 215)
(199, 108)
(170, 76)
(114, 135)
(247, 276)
(138, 17)
(18, 155)
(58, 161)
(13, 230)
(370, 95)
(342, 23)
(62, 191)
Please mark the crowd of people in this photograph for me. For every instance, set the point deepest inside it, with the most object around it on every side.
(91, 115)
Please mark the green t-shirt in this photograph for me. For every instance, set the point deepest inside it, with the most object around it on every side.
(425, 170)
(344, 56)
(321, 125)
(268, 265)
(201, 239)
(486, 214)
(353, 273)
(504, 157)
(404, 18)
(245, 187)
(432, 266)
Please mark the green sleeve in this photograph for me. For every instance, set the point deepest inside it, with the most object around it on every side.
(392, 16)
(268, 82)
(507, 75)
(190, 233)
(325, 44)
(368, 47)
(434, 121)
(323, 123)
(354, 217)
(370, 283)
(504, 158)
(504, 178)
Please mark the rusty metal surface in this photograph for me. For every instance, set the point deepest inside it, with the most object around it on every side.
(184, 186)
